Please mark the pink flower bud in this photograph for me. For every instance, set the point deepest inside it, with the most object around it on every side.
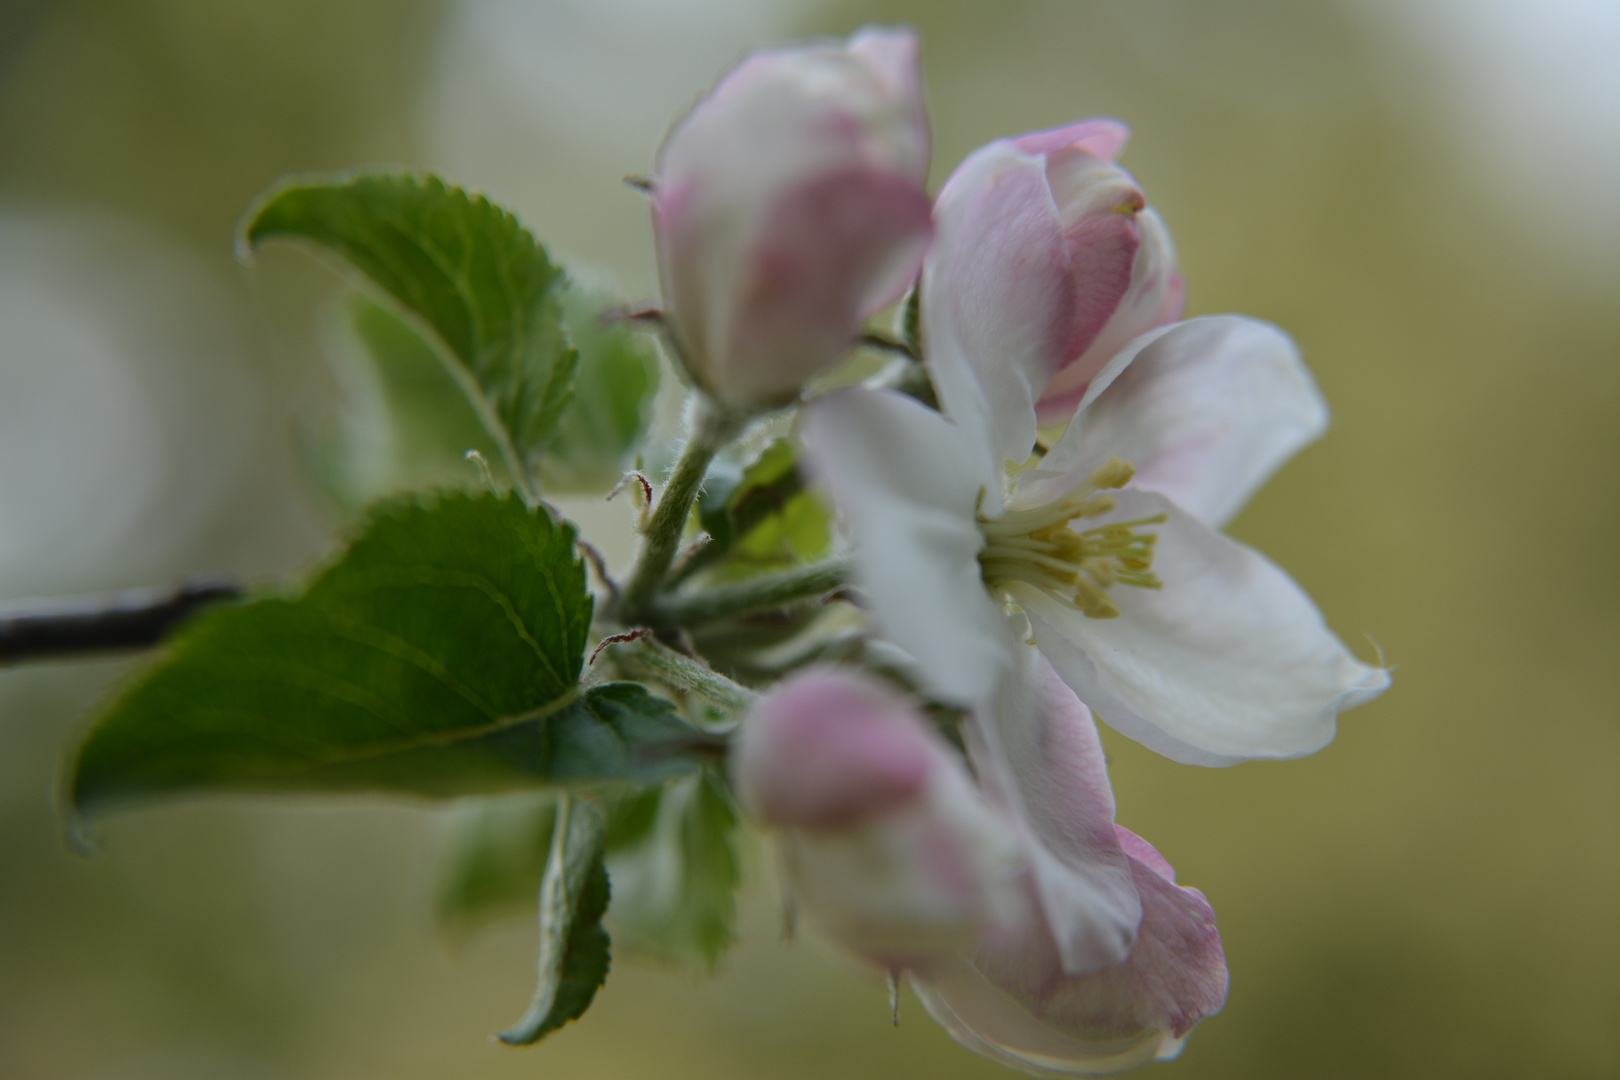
(886, 844)
(788, 207)
(1048, 259)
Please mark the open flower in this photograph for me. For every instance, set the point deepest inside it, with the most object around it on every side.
(1179, 637)
(1053, 994)
(1044, 248)
(788, 207)
(1038, 932)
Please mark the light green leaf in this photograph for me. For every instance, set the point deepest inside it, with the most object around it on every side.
(440, 655)
(766, 519)
(671, 852)
(407, 425)
(494, 859)
(677, 881)
(613, 392)
(574, 949)
(480, 287)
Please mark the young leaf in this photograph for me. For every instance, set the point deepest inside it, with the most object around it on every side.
(440, 655)
(481, 288)
(613, 392)
(671, 852)
(765, 520)
(574, 952)
(494, 859)
(677, 882)
(407, 425)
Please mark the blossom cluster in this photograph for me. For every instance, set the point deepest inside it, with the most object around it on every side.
(1035, 537)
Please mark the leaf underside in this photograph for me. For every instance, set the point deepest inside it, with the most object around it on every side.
(474, 279)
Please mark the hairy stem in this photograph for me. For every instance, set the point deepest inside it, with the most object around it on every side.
(650, 659)
(697, 606)
(711, 430)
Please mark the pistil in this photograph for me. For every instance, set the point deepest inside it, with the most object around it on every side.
(1041, 547)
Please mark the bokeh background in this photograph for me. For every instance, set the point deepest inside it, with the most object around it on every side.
(1427, 195)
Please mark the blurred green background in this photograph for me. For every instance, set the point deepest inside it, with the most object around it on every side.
(1427, 196)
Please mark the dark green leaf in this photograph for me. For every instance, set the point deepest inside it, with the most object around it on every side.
(479, 285)
(439, 656)
(613, 392)
(574, 949)
(676, 883)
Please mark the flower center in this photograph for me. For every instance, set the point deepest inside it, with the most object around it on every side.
(1039, 546)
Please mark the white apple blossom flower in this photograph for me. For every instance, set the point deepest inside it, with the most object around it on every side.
(1038, 932)
(1177, 636)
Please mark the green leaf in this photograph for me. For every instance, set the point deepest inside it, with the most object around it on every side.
(677, 880)
(574, 949)
(481, 288)
(494, 859)
(671, 852)
(767, 519)
(407, 425)
(440, 655)
(613, 392)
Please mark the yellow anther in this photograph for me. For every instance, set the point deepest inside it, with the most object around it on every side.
(1115, 473)
(1093, 601)
(1041, 547)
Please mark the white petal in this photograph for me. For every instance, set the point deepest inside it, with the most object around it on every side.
(908, 482)
(1206, 409)
(997, 297)
(1037, 755)
(1229, 661)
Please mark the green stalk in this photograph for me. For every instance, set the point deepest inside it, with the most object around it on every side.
(712, 429)
(649, 658)
(697, 606)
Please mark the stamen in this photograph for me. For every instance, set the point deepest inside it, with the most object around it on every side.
(1040, 547)
(1116, 473)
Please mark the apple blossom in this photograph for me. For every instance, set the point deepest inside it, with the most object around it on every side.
(1179, 637)
(789, 206)
(1025, 996)
(1034, 929)
(884, 840)
(1048, 261)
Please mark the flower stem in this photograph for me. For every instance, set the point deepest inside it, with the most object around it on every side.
(711, 430)
(697, 606)
(648, 658)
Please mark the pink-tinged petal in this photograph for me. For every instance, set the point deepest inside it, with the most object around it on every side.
(822, 148)
(998, 302)
(894, 57)
(1013, 1003)
(1104, 249)
(908, 482)
(1207, 411)
(832, 252)
(887, 847)
(1229, 661)
(1037, 755)
(1155, 297)
(827, 750)
(1100, 137)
